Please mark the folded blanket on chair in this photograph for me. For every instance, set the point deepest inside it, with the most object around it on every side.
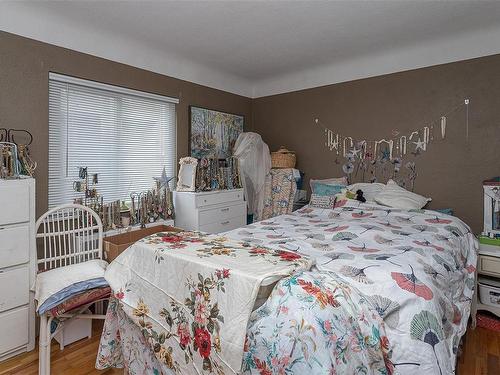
(59, 284)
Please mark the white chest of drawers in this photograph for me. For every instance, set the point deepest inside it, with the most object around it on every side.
(211, 212)
(17, 266)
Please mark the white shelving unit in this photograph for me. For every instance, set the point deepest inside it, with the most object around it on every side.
(488, 265)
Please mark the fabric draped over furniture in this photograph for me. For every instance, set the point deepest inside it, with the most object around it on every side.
(254, 165)
(279, 193)
(192, 294)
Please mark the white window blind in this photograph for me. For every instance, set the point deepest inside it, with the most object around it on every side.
(125, 136)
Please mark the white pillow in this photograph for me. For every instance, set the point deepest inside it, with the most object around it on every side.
(395, 196)
(55, 280)
(370, 190)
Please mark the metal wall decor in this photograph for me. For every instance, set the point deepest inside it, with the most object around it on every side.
(385, 157)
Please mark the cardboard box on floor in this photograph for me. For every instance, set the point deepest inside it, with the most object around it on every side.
(115, 245)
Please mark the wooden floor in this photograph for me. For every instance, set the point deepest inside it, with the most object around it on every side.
(481, 356)
(75, 359)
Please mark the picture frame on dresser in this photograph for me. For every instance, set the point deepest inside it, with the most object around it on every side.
(186, 180)
(17, 266)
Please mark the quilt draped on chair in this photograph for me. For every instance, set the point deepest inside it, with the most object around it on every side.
(280, 189)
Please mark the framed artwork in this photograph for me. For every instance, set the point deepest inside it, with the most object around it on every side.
(213, 133)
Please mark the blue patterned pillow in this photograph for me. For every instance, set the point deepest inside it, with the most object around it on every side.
(322, 189)
(447, 211)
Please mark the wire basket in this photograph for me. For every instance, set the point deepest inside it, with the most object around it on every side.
(283, 158)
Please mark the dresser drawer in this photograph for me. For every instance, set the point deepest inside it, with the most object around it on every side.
(14, 288)
(14, 210)
(224, 225)
(14, 328)
(489, 265)
(218, 197)
(221, 213)
(14, 245)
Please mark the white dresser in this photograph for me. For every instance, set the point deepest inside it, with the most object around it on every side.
(17, 266)
(211, 212)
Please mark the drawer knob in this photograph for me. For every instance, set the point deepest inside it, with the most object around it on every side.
(225, 209)
(225, 222)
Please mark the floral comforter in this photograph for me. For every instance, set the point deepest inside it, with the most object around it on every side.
(191, 295)
(414, 268)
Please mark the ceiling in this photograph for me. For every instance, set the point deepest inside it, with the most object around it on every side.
(259, 48)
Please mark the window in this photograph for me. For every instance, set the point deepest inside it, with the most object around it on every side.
(125, 136)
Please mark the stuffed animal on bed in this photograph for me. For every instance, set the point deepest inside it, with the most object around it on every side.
(359, 196)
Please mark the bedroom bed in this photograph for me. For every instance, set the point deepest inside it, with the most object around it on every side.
(362, 288)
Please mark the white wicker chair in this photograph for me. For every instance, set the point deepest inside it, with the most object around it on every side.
(69, 234)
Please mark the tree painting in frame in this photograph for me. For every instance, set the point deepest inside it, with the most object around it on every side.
(213, 133)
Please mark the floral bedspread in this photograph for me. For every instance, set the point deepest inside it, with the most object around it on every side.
(191, 295)
(414, 268)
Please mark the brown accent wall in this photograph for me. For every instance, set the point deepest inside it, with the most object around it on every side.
(24, 70)
(450, 172)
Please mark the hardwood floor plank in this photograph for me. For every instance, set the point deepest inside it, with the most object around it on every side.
(480, 357)
(493, 364)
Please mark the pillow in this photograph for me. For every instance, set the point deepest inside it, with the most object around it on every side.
(326, 189)
(55, 286)
(370, 190)
(322, 201)
(395, 196)
(447, 211)
(329, 181)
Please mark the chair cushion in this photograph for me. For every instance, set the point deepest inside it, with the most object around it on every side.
(59, 284)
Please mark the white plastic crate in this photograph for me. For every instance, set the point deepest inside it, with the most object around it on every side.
(489, 291)
(74, 330)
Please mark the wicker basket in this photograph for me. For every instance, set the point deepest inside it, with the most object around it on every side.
(283, 158)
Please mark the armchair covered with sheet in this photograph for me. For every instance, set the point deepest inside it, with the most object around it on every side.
(254, 163)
